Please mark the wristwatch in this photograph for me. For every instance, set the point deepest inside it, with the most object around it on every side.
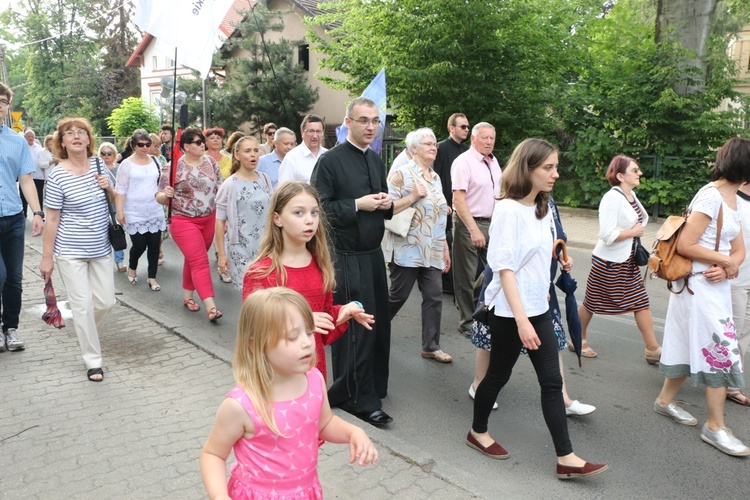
(40, 214)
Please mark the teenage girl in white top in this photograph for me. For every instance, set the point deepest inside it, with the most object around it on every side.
(519, 255)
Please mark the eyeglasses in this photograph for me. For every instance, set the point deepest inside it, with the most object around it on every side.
(77, 132)
(463, 127)
(271, 132)
(199, 142)
(365, 122)
(106, 153)
(313, 132)
(634, 171)
(429, 144)
(143, 144)
(4, 102)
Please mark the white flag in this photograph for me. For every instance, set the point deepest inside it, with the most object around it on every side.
(190, 26)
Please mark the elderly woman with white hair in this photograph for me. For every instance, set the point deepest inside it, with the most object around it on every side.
(422, 254)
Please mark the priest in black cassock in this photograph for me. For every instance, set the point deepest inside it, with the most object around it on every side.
(351, 181)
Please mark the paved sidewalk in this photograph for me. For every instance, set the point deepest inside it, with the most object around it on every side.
(139, 433)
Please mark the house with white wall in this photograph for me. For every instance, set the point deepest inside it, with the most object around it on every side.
(155, 65)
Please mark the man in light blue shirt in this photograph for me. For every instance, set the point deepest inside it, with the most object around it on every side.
(15, 165)
(284, 141)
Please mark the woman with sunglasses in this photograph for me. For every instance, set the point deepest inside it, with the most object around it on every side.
(137, 209)
(269, 130)
(108, 152)
(196, 181)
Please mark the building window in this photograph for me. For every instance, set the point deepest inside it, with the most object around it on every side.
(170, 62)
(304, 56)
(155, 62)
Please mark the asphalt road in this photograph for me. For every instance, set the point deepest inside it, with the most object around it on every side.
(649, 455)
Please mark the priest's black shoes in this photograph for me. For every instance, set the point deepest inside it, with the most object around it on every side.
(377, 418)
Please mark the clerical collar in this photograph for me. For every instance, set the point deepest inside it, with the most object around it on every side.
(364, 150)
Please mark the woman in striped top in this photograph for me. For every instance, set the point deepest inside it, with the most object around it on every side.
(76, 237)
(615, 285)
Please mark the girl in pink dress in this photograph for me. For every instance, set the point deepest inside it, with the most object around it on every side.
(294, 253)
(279, 409)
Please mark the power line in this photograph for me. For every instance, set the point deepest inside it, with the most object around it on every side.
(71, 30)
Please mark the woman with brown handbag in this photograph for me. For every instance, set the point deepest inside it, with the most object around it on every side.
(699, 335)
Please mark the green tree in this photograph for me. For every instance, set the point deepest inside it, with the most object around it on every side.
(133, 114)
(253, 91)
(72, 61)
(497, 61)
(623, 100)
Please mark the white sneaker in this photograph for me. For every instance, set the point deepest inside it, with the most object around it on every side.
(472, 395)
(13, 343)
(578, 409)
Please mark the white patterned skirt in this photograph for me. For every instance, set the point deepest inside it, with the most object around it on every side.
(699, 336)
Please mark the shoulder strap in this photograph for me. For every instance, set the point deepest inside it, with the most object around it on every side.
(719, 222)
(267, 179)
(106, 195)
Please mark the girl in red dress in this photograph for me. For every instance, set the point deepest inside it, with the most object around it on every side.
(294, 253)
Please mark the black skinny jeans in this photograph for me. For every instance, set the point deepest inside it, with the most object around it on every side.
(139, 243)
(506, 347)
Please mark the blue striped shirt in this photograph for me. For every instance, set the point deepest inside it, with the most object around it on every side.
(84, 213)
(15, 160)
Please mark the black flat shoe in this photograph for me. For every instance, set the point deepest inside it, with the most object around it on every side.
(377, 418)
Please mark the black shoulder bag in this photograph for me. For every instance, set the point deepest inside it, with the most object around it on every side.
(116, 232)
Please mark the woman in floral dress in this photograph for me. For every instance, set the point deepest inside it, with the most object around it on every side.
(241, 206)
(699, 337)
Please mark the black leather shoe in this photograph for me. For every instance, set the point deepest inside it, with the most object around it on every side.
(377, 418)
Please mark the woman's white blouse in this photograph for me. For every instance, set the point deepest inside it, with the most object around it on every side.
(615, 216)
(522, 243)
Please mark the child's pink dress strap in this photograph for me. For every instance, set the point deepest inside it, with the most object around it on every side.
(268, 466)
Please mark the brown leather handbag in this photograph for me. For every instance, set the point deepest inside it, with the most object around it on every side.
(665, 262)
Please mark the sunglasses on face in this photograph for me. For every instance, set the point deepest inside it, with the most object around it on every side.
(143, 144)
(106, 153)
(463, 127)
(198, 142)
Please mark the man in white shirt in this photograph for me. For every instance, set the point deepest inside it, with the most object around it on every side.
(283, 142)
(38, 175)
(298, 164)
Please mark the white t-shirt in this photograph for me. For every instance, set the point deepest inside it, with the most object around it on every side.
(522, 243)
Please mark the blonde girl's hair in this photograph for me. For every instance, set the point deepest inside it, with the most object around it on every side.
(235, 160)
(272, 244)
(527, 156)
(263, 323)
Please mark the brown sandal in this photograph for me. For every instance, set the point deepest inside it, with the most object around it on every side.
(214, 314)
(739, 397)
(191, 305)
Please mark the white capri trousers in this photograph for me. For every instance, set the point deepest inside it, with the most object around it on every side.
(91, 290)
